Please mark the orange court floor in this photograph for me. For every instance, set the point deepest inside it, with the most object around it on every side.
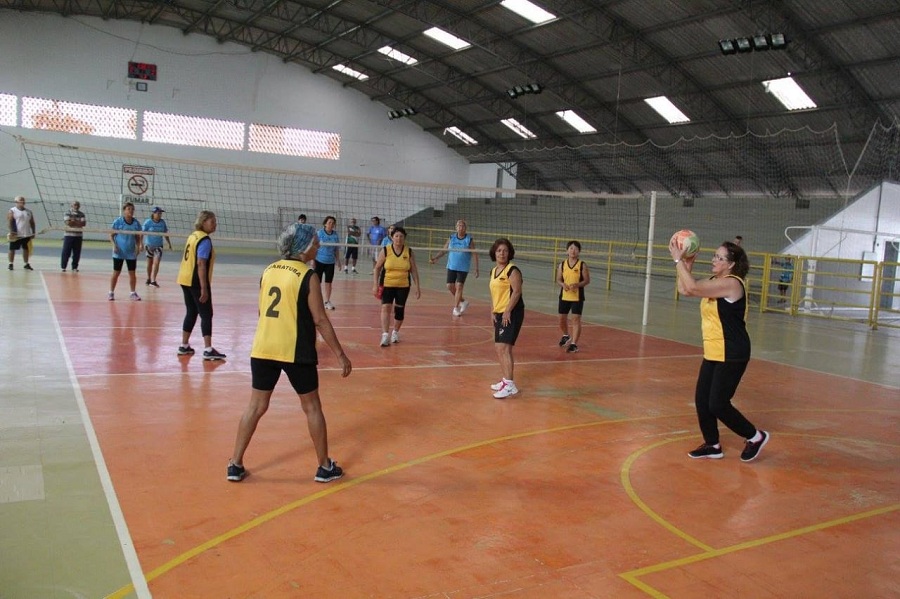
(113, 453)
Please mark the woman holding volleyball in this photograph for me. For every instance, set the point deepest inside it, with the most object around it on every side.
(726, 346)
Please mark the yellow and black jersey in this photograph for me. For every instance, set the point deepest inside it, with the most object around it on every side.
(501, 290)
(572, 275)
(725, 337)
(285, 331)
(187, 272)
(396, 267)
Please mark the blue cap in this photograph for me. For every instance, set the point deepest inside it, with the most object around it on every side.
(157, 210)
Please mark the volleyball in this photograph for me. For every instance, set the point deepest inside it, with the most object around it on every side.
(688, 241)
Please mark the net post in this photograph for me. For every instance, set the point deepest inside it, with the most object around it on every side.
(650, 231)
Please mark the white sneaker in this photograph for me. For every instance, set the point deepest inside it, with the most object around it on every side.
(135, 297)
(463, 305)
(395, 337)
(508, 389)
(110, 296)
(329, 306)
(354, 271)
(497, 386)
(456, 312)
(385, 340)
(344, 270)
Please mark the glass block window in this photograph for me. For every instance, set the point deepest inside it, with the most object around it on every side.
(83, 119)
(294, 142)
(8, 110)
(193, 131)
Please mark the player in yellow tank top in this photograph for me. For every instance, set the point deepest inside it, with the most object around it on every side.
(508, 313)
(726, 347)
(195, 278)
(572, 276)
(291, 310)
(398, 263)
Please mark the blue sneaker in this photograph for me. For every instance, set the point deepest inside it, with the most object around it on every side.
(324, 475)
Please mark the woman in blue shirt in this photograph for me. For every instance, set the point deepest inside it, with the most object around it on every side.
(327, 257)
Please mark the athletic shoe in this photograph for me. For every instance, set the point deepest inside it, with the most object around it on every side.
(212, 354)
(354, 271)
(10, 266)
(506, 389)
(572, 348)
(344, 270)
(707, 451)
(385, 340)
(456, 312)
(64, 270)
(185, 350)
(751, 449)
(497, 386)
(236, 473)
(28, 266)
(564, 340)
(395, 337)
(329, 306)
(326, 475)
(134, 297)
(147, 283)
(154, 284)
(111, 296)
(463, 305)
(74, 270)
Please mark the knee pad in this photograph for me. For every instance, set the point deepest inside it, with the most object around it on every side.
(399, 312)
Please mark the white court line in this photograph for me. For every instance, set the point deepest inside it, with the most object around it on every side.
(131, 559)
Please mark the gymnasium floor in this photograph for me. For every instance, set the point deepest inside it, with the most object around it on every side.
(579, 487)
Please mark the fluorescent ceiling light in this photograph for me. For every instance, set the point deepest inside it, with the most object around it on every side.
(397, 55)
(446, 38)
(529, 10)
(463, 137)
(518, 128)
(667, 110)
(576, 121)
(789, 93)
(340, 68)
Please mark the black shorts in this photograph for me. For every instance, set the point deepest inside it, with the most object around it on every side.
(508, 334)
(117, 264)
(325, 271)
(351, 253)
(303, 377)
(566, 306)
(20, 244)
(456, 276)
(395, 295)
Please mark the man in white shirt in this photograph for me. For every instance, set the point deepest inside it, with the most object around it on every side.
(20, 221)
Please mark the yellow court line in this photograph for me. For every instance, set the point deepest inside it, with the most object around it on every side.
(625, 477)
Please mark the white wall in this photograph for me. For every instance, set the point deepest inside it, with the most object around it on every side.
(82, 59)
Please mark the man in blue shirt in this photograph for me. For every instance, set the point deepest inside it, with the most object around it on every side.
(126, 246)
(153, 244)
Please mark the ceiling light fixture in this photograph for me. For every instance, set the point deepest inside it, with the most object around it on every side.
(521, 90)
(520, 129)
(461, 136)
(446, 38)
(529, 10)
(759, 43)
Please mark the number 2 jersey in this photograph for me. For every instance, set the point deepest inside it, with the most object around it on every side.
(285, 331)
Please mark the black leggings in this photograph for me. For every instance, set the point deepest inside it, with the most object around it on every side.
(716, 385)
(195, 309)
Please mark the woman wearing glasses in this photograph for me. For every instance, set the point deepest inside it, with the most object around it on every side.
(726, 347)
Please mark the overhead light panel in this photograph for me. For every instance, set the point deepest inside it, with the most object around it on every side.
(341, 68)
(521, 90)
(446, 38)
(529, 10)
(667, 110)
(397, 55)
(759, 43)
(580, 125)
(399, 114)
(789, 93)
(461, 136)
(519, 128)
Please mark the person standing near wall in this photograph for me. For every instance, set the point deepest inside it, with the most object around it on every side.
(156, 225)
(376, 234)
(351, 256)
(75, 220)
(20, 221)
